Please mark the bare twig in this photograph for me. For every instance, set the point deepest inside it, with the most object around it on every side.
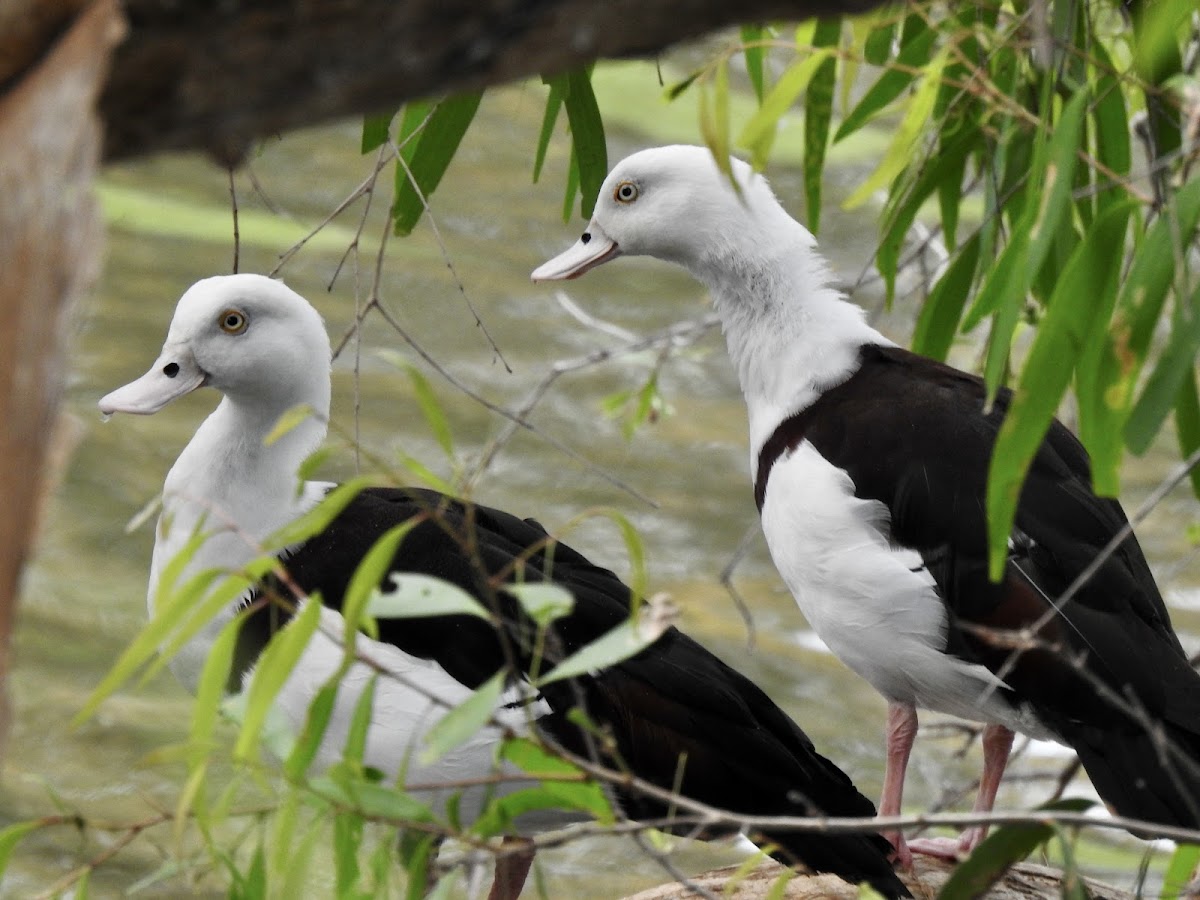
(233, 204)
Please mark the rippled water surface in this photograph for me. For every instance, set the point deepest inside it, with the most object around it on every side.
(84, 594)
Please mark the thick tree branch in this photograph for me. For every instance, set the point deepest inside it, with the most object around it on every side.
(217, 76)
(50, 235)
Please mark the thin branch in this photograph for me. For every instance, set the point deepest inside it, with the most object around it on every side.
(437, 234)
(233, 203)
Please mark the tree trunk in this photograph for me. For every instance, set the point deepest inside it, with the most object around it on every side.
(50, 234)
(1024, 881)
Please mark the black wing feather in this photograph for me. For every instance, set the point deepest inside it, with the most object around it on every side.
(678, 715)
(913, 434)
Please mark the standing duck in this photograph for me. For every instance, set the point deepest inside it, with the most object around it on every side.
(678, 716)
(869, 466)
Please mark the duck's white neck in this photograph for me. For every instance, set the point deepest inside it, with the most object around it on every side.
(790, 335)
(238, 489)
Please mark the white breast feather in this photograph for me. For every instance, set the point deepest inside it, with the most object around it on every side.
(873, 604)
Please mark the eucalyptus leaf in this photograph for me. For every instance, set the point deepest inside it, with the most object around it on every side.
(554, 102)
(587, 138)
(13, 835)
(274, 666)
(369, 575)
(414, 595)
(288, 422)
(916, 51)
(752, 52)
(1077, 314)
(818, 114)
(375, 130)
(462, 723)
(435, 148)
(542, 601)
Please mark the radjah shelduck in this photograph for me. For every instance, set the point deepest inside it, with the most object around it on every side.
(678, 716)
(869, 465)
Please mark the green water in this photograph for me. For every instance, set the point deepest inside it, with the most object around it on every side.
(83, 596)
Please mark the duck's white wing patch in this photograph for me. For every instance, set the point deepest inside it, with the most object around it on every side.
(874, 604)
(411, 696)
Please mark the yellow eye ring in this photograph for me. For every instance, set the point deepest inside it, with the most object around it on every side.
(625, 192)
(233, 321)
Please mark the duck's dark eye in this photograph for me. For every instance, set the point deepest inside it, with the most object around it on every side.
(171, 370)
(587, 236)
(232, 321)
(625, 192)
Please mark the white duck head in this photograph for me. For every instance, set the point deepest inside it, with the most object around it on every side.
(251, 337)
(266, 350)
(789, 331)
(675, 204)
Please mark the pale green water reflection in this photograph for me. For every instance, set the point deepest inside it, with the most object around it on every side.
(84, 594)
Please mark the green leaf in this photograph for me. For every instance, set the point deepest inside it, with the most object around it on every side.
(714, 118)
(554, 101)
(288, 422)
(297, 881)
(571, 188)
(758, 134)
(229, 588)
(375, 130)
(914, 54)
(360, 723)
(1143, 294)
(1033, 237)
(908, 133)
(347, 838)
(1187, 426)
(938, 320)
(902, 210)
(462, 722)
(169, 610)
(435, 416)
(818, 114)
(435, 147)
(412, 121)
(542, 601)
(587, 138)
(499, 815)
(369, 575)
(1112, 128)
(416, 851)
(1075, 317)
(312, 463)
(999, 851)
(615, 645)
(274, 666)
(1180, 871)
(318, 518)
(634, 548)
(375, 801)
(1177, 363)
(752, 51)
(878, 45)
(414, 595)
(316, 722)
(214, 680)
(13, 835)
(1157, 35)
(585, 794)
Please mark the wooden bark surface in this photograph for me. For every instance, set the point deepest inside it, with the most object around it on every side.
(1024, 881)
(50, 234)
(216, 76)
